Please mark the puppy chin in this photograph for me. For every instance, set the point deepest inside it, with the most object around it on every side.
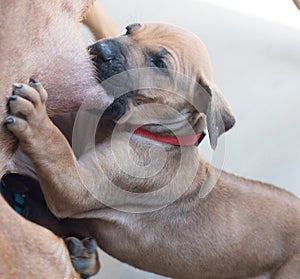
(113, 112)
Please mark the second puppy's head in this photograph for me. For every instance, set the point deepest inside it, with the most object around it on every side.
(164, 65)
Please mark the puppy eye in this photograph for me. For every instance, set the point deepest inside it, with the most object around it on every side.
(138, 102)
(158, 59)
(159, 63)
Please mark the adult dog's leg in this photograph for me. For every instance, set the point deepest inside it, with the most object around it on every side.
(30, 251)
(40, 139)
(100, 23)
(24, 196)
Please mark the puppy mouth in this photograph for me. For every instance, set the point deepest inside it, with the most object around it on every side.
(116, 110)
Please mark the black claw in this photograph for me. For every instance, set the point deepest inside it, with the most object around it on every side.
(85, 276)
(80, 264)
(90, 244)
(13, 98)
(74, 246)
(33, 80)
(9, 120)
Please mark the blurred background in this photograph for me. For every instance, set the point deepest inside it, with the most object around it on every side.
(255, 50)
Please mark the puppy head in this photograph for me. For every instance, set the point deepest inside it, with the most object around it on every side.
(172, 53)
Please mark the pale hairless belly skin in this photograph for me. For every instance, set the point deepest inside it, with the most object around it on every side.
(42, 39)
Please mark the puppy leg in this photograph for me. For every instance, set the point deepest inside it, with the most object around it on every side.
(290, 270)
(52, 156)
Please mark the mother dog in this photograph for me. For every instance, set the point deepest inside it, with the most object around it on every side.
(40, 38)
(241, 229)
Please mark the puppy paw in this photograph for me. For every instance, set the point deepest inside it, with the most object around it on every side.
(27, 107)
(84, 256)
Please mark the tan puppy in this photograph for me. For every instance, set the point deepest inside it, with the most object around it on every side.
(241, 229)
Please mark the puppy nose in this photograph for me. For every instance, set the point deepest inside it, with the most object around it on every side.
(101, 50)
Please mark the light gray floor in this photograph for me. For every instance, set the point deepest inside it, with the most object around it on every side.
(257, 66)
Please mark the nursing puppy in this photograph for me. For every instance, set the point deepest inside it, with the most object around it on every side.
(240, 229)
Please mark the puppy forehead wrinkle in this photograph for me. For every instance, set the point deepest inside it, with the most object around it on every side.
(158, 51)
(165, 30)
(188, 45)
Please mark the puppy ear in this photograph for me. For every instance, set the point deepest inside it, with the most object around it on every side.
(219, 116)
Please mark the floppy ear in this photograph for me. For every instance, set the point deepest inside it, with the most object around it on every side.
(219, 117)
